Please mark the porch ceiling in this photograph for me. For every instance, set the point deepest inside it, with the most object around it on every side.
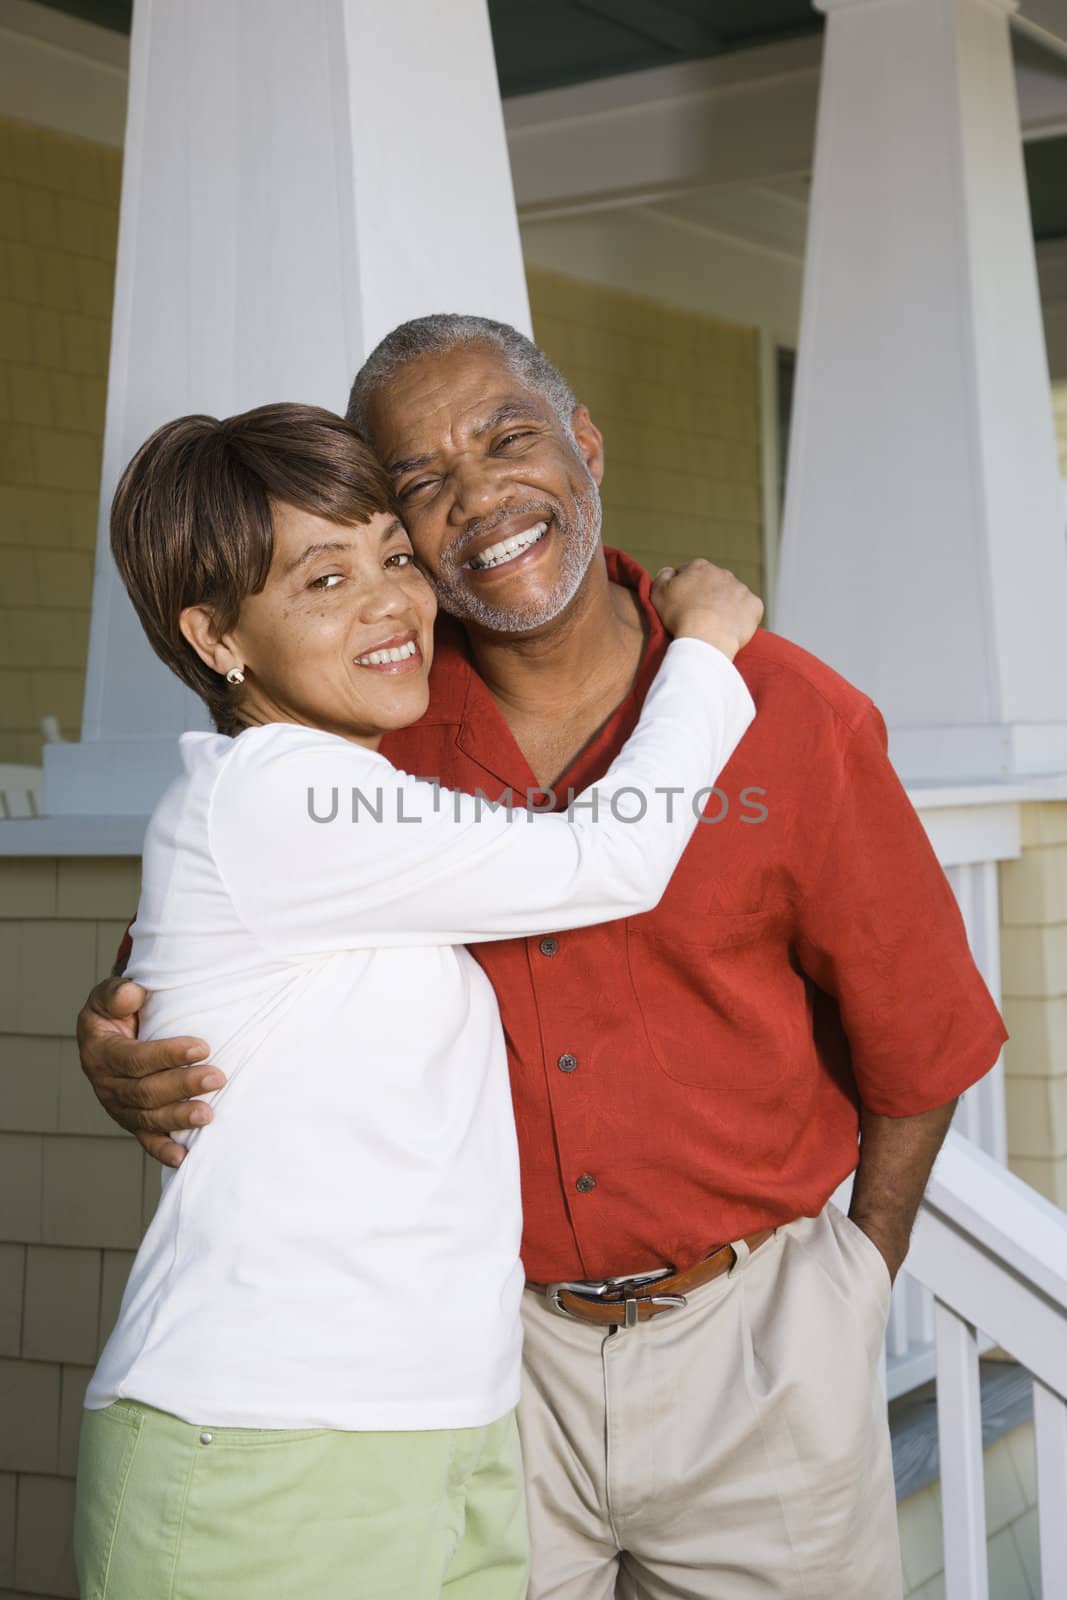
(563, 42)
(559, 42)
(1046, 177)
(573, 41)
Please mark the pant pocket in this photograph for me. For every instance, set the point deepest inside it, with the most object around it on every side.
(866, 1253)
(812, 1331)
(106, 1450)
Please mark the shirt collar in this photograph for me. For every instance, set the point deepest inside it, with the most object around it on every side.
(459, 698)
(453, 671)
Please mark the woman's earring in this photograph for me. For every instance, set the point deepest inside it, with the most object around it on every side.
(235, 676)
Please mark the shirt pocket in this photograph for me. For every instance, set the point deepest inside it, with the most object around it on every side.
(714, 995)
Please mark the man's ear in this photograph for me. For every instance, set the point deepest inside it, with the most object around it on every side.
(200, 629)
(590, 442)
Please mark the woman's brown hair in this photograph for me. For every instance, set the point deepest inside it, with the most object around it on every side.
(191, 518)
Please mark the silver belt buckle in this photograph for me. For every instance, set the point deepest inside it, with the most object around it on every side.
(604, 1287)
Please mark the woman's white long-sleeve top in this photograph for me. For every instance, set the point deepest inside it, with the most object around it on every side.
(340, 1247)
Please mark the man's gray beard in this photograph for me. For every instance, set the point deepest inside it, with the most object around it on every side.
(579, 542)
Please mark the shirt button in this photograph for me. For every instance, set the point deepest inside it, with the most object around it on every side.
(585, 1183)
(549, 946)
(205, 1437)
(567, 1062)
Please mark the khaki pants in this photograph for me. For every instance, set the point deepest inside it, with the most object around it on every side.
(737, 1449)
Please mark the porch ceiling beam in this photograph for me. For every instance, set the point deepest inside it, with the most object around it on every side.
(59, 72)
(745, 117)
(1045, 21)
(1041, 85)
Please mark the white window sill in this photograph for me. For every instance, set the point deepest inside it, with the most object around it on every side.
(72, 836)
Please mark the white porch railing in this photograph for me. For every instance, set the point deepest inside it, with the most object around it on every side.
(21, 792)
(993, 1255)
(972, 831)
(988, 1261)
(981, 1114)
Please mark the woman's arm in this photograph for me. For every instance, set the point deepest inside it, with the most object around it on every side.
(422, 865)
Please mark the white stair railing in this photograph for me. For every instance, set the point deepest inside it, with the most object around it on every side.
(993, 1254)
(959, 1433)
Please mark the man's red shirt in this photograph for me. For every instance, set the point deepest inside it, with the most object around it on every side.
(704, 1063)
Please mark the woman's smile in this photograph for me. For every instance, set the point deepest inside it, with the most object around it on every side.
(396, 655)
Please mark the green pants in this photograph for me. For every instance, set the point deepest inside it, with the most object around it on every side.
(171, 1511)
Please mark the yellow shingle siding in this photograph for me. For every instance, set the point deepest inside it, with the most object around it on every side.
(74, 1195)
(1059, 417)
(1033, 893)
(58, 225)
(677, 398)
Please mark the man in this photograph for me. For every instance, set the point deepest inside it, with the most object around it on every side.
(689, 1085)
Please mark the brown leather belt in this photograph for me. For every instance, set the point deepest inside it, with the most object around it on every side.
(624, 1302)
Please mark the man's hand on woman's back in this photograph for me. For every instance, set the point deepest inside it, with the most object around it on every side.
(146, 1086)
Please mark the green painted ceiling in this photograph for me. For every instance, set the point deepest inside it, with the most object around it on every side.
(113, 14)
(555, 42)
(1046, 177)
(545, 44)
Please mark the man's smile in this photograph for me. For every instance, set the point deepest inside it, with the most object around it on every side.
(507, 544)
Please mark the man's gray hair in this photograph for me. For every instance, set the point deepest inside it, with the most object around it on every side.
(449, 330)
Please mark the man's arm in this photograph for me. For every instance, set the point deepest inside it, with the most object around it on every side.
(144, 1086)
(879, 933)
(896, 1158)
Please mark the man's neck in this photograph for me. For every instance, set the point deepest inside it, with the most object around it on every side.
(590, 652)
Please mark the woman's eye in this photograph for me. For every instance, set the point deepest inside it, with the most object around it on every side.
(400, 558)
(327, 581)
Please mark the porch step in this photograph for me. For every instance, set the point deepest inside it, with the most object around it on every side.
(1007, 1402)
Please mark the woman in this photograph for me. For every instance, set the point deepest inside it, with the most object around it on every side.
(311, 1384)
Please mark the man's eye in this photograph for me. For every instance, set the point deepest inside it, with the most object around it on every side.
(400, 558)
(327, 581)
(510, 438)
(411, 489)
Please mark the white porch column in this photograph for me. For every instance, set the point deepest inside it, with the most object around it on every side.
(923, 552)
(298, 179)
